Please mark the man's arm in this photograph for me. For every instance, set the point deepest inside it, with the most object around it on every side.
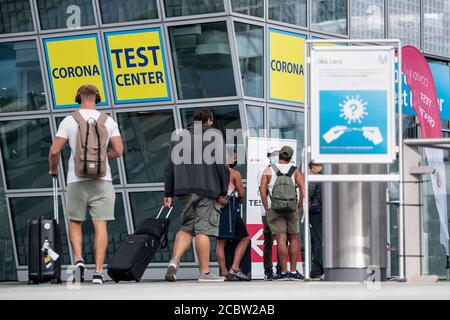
(54, 155)
(264, 188)
(300, 184)
(169, 180)
(116, 148)
(239, 185)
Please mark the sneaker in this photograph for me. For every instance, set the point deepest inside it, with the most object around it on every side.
(171, 273)
(97, 278)
(210, 277)
(239, 274)
(78, 273)
(282, 277)
(278, 269)
(297, 276)
(268, 274)
(315, 277)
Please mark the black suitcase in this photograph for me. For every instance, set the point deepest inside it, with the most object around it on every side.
(137, 250)
(44, 247)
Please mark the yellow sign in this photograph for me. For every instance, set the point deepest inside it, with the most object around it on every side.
(137, 65)
(286, 66)
(71, 62)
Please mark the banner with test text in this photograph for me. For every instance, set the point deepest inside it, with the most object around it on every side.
(426, 106)
(257, 161)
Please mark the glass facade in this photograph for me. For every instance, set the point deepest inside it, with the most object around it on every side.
(216, 55)
(21, 86)
(329, 16)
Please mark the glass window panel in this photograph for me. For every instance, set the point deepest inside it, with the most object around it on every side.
(147, 205)
(114, 11)
(250, 7)
(146, 136)
(287, 124)
(176, 8)
(329, 16)
(225, 117)
(65, 156)
(22, 210)
(15, 16)
(7, 261)
(288, 11)
(21, 87)
(25, 146)
(202, 60)
(437, 26)
(250, 48)
(117, 232)
(255, 119)
(404, 21)
(367, 19)
(53, 14)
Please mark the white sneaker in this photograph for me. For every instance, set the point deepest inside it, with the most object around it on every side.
(171, 273)
(97, 278)
(210, 277)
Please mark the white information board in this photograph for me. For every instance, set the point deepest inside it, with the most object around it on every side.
(352, 104)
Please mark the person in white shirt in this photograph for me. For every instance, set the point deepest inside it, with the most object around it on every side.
(94, 194)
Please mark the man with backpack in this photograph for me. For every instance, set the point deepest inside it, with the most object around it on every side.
(201, 187)
(279, 182)
(315, 222)
(89, 181)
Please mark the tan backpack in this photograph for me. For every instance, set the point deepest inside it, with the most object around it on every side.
(90, 151)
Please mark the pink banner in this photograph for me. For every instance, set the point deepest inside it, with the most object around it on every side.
(424, 99)
(425, 104)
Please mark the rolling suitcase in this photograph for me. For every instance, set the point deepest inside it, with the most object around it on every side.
(44, 247)
(137, 250)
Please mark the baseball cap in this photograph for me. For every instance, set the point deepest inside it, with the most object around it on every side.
(287, 151)
(272, 149)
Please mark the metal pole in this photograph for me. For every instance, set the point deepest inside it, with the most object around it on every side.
(305, 167)
(401, 208)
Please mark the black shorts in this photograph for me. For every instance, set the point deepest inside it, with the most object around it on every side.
(231, 225)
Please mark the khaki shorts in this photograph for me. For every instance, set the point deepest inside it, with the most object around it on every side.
(95, 196)
(199, 215)
(283, 222)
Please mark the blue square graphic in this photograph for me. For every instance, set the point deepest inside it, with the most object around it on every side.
(353, 122)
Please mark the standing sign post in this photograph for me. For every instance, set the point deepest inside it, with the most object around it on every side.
(350, 115)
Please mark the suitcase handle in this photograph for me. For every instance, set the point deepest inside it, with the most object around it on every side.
(160, 211)
(55, 199)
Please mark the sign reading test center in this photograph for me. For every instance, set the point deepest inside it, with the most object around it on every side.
(71, 62)
(352, 104)
(286, 69)
(137, 65)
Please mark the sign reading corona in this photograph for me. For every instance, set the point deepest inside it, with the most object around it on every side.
(286, 69)
(137, 65)
(71, 62)
(352, 104)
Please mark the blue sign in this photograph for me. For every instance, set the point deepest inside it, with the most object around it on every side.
(441, 77)
(353, 122)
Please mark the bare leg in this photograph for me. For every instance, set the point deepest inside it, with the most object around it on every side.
(76, 238)
(239, 252)
(282, 251)
(183, 241)
(220, 253)
(202, 246)
(293, 250)
(101, 243)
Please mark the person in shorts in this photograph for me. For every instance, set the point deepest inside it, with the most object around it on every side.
(87, 194)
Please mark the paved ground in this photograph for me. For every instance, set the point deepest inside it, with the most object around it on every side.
(255, 290)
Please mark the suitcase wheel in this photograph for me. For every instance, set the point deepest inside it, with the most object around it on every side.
(33, 281)
(56, 281)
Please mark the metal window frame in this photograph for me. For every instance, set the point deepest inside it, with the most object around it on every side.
(25, 33)
(286, 24)
(58, 30)
(247, 16)
(166, 57)
(422, 34)
(336, 34)
(127, 23)
(350, 33)
(165, 18)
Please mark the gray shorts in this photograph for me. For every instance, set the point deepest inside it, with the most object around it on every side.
(95, 196)
(199, 215)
